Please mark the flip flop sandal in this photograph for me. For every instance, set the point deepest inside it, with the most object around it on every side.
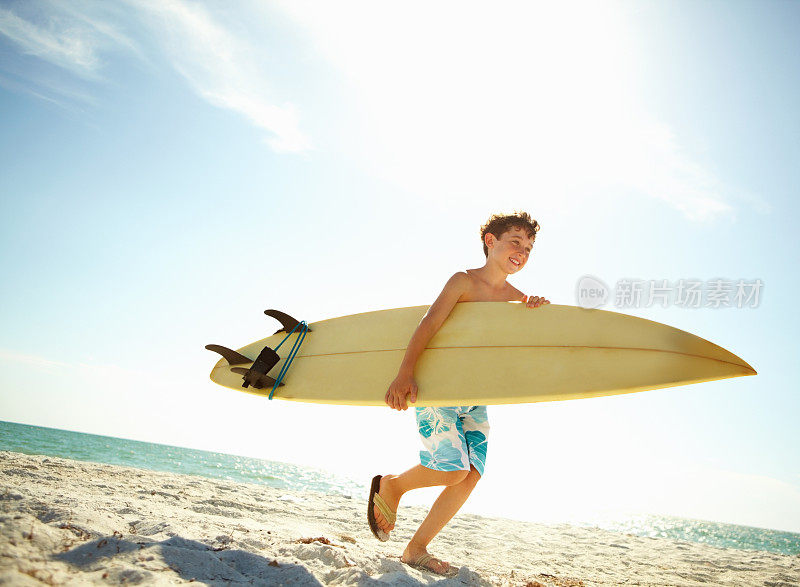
(424, 560)
(386, 512)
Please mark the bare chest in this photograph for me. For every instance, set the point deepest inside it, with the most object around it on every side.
(482, 292)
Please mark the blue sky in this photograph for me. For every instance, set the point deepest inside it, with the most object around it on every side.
(168, 170)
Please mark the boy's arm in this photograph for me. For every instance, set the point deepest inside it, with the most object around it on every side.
(404, 385)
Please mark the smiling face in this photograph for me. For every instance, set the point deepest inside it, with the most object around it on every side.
(511, 250)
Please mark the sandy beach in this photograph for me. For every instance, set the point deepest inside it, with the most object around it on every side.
(69, 522)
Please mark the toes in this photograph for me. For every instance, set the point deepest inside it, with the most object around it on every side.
(383, 524)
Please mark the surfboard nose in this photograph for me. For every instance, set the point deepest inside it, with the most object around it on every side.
(714, 351)
(750, 370)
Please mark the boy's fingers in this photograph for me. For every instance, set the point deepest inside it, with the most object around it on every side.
(536, 301)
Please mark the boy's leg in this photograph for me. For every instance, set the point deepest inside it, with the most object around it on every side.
(393, 487)
(442, 511)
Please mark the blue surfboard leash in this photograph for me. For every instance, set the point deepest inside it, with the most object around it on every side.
(295, 348)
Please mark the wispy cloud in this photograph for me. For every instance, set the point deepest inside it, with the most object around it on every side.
(32, 360)
(647, 157)
(60, 92)
(39, 362)
(100, 23)
(65, 46)
(61, 50)
(528, 98)
(222, 68)
(102, 372)
(219, 65)
(15, 86)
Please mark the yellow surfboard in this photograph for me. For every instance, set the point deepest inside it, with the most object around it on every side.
(485, 353)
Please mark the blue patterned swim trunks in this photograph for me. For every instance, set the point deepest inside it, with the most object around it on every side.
(454, 437)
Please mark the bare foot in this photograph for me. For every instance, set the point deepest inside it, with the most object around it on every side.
(420, 558)
(387, 493)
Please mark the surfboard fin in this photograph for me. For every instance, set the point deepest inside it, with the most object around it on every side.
(232, 357)
(256, 375)
(263, 381)
(286, 321)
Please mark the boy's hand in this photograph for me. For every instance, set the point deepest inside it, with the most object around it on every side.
(403, 386)
(536, 301)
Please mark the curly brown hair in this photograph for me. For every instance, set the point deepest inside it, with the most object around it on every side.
(498, 224)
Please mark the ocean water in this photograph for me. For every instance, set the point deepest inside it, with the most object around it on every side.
(171, 459)
(160, 457)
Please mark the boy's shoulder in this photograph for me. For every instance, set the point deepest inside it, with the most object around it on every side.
(459, 283)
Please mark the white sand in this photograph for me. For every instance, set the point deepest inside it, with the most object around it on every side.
(71, 522)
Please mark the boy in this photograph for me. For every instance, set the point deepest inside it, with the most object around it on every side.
(507, 243)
